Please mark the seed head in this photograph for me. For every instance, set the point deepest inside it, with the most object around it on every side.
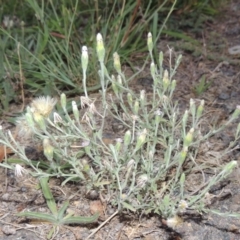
(174, 221)
(43, 105)
(19, 170)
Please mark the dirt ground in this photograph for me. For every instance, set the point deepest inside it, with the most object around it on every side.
(217, 60)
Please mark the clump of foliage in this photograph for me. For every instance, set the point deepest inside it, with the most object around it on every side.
(147, 166)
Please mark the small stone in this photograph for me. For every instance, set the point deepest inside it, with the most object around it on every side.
(224, 96)
(8, 230)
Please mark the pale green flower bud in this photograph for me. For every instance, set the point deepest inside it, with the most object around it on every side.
(127, 138)
(115, 88)
(48, 149)
(182, 179)
(86, 167)
(160, 59)
(188, 138)
(136, 107)
(119, 79)
(63, 100)
(185, 118)
(141, 139)
(29, 119)
(192, 107)
(157, 119)
(118, 146)
(116, 62)
(150, 42)
(39, 119)
(183, 155)
(84, 58)
(151, 154)
(100, 48)
(166, 80)
(75, 110)
(142, 97)
(200, 109)
(153, 70)
(192, 103)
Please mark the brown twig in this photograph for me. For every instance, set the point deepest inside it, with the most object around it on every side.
(97, 229)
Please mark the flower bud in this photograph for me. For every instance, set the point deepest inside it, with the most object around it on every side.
(39, 119)
(150, 42)
(136, 107)
(29, 119)
(184, 119)
(100, 48)
(75, 110)
(153, 70)
(63, 101)
(114, 86)
(127, 138)
(141, 139)
(119, 79)
(200, 109)
(160, 59)
(118, 146)
(142, 97)
(116, 62)
(48, 149)
(84, 58)
(183, 155)
(192, 107)
(188, 138)
(166, 81)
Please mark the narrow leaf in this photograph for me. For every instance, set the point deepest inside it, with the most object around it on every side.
(80, 220)
(36, 215)
(48, 196)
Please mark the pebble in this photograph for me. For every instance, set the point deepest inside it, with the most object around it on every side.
(224, 96)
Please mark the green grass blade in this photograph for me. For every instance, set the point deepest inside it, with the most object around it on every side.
(39, 216)
(62, 210)
(48, 196)
(80, 220)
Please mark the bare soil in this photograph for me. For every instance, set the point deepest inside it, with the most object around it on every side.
(210, 58)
